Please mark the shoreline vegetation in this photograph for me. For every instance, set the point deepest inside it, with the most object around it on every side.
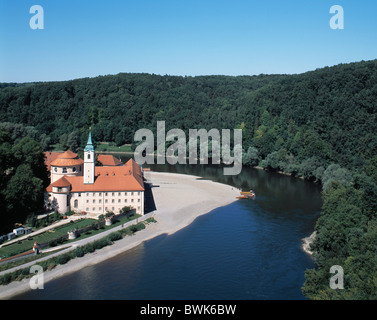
(192, 198)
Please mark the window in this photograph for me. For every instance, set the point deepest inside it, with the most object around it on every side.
(132, 200)
(100, 194)
(125, 200)
(94, 200)
(105, 200)
(87, 194)
(93, 209)
(118, 200)
(132, 193)
(87, 209)
(56, 169)
(64, 170)
(94, 194)
(125, 193)
(99, 209)
(138, 193)
(76, 204)
(106, 194)
(79, 194)
(100, 201)
(112, 201)
(87, 201)
(112, 194)
(59, 189)
(138, 200)
(74, 169)
(112, 208)
(88, 156)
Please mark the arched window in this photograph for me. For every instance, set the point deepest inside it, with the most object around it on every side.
(88, 155)
(76, 204)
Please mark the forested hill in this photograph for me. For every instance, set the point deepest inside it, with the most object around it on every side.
(328, 113)
(116, 106)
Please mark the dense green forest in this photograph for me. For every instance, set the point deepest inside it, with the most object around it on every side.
(320, 125)
(23, 175)
(117, 106)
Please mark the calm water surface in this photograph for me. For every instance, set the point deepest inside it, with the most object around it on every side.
(246, 250)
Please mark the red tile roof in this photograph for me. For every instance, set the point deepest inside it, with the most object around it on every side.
(66, 162)
(68, 155)
(117, 178)
(62, 182)
(108, 160)
(59, 159)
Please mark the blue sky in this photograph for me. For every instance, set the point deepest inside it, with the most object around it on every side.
(87, 38)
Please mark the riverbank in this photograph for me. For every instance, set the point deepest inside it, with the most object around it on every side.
(306, 242)
(179, 199)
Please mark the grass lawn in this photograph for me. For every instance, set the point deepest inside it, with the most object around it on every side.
(55, 233)
(27, 244)
(110, 147)
(93, 232)
(12, 264)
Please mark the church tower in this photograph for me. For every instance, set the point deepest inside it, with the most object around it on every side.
(89, 161)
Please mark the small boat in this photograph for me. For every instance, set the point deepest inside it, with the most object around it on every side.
(247, 195)
(248, 192)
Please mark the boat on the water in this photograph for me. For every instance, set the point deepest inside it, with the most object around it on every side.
(247, 195)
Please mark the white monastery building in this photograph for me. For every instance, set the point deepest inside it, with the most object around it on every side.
(81, 186)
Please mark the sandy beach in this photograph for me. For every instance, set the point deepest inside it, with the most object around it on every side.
(179, 200)
(306, 242)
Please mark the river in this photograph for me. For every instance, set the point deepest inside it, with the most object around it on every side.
(248, 250)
